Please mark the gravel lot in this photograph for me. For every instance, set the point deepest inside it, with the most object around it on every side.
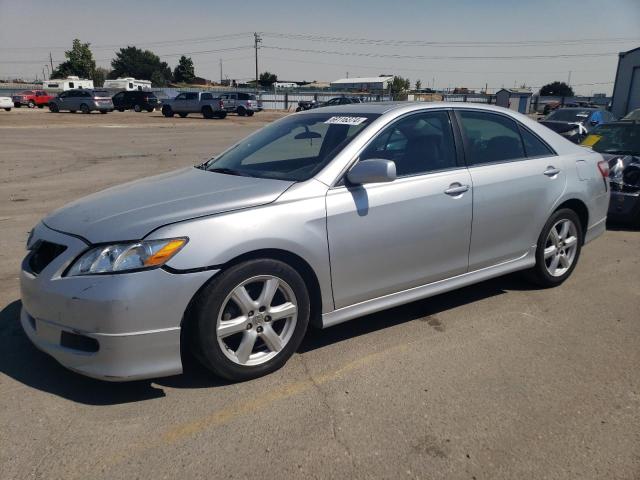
(498, 380)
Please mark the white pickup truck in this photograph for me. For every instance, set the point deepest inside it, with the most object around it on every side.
(206, 103)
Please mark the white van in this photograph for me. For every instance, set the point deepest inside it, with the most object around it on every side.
(69, 83)
(127, 84)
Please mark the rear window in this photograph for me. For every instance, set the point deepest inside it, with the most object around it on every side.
(100, 93)
(246, 96)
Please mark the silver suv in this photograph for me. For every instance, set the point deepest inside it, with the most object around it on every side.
(320, 217)
(241, 103)
(83, 100)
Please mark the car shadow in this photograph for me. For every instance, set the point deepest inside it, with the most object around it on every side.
(25, 364)
(622, 227)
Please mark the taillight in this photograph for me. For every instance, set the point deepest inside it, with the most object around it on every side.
(221, 104)
(603, 166)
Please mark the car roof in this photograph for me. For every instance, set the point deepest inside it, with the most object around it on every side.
(386, 107)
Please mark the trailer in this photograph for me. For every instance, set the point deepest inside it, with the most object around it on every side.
(127, 84)
(69, 83)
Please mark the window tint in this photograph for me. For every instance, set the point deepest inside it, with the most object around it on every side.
(533, 146)
(182, 96)
(417, 144)
(206, 96)
(490, 138)
(191, 96)
(118, 96)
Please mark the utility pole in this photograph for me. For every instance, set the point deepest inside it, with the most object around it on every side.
(256, 40)
(569, 80)
(51, 60)
(43, 76)
(220, 71)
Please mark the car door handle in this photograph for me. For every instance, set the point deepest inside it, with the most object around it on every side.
(551, 171)
(456, 189)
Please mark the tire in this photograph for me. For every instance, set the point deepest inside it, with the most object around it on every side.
(17, 105)
(41, 106)
(7, 109)
(167, 111)
(241, 111)
(72, 111)
(137, 108)
(183, 115)
(561, 249)
(84, 108)
(54, 108)
(31, 104)
(250, 113)
(149, 109)
(269, 342)
(120, 109)
(298, 109)
(104, 111)
(207, 112)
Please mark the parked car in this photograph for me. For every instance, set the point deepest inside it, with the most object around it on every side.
(206, 103)
(619, 144)
(305, 105)
(575, 123)
(84, 100)
(137, 100)
(321, 217)
(32, 99)
(241, 103)
(6, 103)
(338, 101)
(632, 115)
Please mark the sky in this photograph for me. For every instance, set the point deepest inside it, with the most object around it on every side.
(446, 44)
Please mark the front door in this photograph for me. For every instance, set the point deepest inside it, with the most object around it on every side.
(388, 237)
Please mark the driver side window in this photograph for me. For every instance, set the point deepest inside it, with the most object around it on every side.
(417, 144)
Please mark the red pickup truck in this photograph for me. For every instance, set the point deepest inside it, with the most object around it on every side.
(32, 98)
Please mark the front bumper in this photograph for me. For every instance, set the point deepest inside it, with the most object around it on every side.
(135, 318)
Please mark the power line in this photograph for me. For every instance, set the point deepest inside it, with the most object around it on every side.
(441, 57)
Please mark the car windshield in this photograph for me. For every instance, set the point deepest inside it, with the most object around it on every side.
(615, 138)
(635, 115)
(569, 115)
(294, 148)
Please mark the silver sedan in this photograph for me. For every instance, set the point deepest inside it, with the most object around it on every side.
(319, 218)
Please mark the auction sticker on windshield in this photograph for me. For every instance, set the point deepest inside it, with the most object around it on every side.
(346, 120)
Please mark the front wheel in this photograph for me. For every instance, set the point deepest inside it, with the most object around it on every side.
(207, 112)
(137, 108)
(53, 108)
(84, 108)
(558, 249)
(250, 113)
(31, 104)
(167, 111)
(250, 319)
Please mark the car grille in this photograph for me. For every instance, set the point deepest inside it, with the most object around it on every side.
(43, 254)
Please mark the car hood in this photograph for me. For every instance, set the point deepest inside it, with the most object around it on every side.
(132, 210)
(559, 127)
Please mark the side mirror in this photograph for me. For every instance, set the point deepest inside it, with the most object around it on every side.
(372, 171)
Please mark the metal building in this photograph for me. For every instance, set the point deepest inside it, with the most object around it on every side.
(518, 99)
(626, 90)
(363, 84)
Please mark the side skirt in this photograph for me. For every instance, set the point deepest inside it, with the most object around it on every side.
(344, 314)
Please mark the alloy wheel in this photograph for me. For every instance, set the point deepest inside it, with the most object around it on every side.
(257, 320)
(561, 247)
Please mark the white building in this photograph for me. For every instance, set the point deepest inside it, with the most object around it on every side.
(68, 83)
(285, 85)
(363, 84)
(127, 83)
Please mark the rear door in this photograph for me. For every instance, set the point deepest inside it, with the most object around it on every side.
(516, 177)
(388, 237)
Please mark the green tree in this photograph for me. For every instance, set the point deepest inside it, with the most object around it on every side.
(140, 64)
(399, 87)
(79, 62)
(418, 84)
(184, 71)
(100, 74)
(556, 89)
(267, 79)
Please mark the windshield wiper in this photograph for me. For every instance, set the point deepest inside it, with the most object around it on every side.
(228, 171)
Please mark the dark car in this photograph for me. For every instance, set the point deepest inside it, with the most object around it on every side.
(137, 100)
(619, 144)
(575, 123)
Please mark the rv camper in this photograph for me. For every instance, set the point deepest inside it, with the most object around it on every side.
(68, 83)
(127, 84)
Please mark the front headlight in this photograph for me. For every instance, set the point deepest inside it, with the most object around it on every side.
(124, 257)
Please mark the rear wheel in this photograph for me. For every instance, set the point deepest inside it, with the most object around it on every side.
(167, 111)
(17, 105)
(84, 108)
(149, 109)
(53, 108)
(120, 109)
(7, 109)
(137, 108)
(241, 111)
(558, 249)
(221, 115)
(250, 319)
(207, 112)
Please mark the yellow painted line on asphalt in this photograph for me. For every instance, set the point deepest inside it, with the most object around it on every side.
(234, 411)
